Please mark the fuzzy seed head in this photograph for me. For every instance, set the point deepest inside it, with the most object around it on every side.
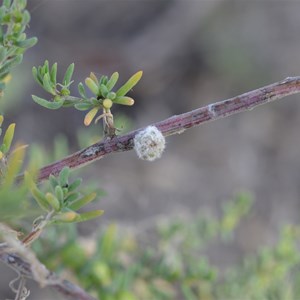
(149, 143)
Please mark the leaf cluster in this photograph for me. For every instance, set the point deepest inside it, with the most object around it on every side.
(14, 19)
(63, 200)
(102, 89)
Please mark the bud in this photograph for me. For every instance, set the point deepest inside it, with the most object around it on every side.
(107, 103)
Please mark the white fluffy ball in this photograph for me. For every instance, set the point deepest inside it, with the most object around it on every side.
(149, 143)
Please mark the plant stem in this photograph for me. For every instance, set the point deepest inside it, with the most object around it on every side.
(65, 287)
(177, 124)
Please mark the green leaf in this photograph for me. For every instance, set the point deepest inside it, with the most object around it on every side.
(90, 83)
(53, 201)
(133, 80)
(68, 75)
(47, 84)
(27, 43)
(111, 95)
(40, 198)
(112, 81)
(72, 197)
(47, 104)
(13, 166)
(36, 76)
(53, 181)
(124, 100)
(45, 67)
(90, 116)
(83, 201)
(59, 193)
(15, 60)
(103, 90)
(53, 73)
(26, 17)
(103, 79)
(88, 215)
(64, 176)
(74, 185)
(22, 4)
(81, 90)
(65, 217)
(83, 106)
(8, 137)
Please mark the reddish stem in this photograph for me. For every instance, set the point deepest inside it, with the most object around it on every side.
(178, 123)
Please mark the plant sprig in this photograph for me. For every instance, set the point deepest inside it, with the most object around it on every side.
(102, 89)
(63, 201)
(14, 19)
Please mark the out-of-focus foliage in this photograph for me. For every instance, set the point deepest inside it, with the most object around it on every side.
(172, 262)
(102, 89)
(14, 19)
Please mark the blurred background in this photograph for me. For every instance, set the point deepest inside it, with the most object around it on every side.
(192, 52)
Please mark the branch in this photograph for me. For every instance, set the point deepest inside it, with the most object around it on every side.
(173, 125)
(24, 268)
(178, 124)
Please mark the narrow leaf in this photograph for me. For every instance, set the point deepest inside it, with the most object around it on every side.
(83, 106)
(103, 90)
(47, 84)
(66, 217)
(59, 193)
(13, 166)
(53, 201)
(15, 60)
(112, 81)
(8, 137)
(90, 116)
(133, 80)
(124, 100)
(88, 215)
(83, 201)
(27, 43)
(47, 104)
(72, 197)
(94, 78)
(90, 83)
(53, 73)
(53, 181)
(81, 90)
(68, 75)
(63, 176)
(74, 185)
(36, 76)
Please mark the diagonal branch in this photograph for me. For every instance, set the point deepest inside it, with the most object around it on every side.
(178, 124)
(24, 268)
